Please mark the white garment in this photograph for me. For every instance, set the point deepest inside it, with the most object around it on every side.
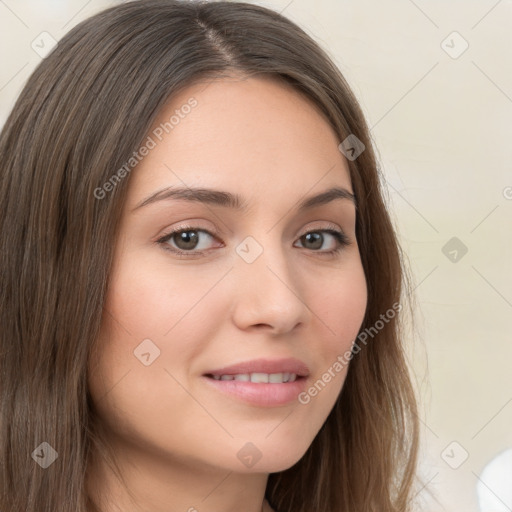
(494, 488)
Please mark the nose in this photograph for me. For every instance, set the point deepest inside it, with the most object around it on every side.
(269, 294)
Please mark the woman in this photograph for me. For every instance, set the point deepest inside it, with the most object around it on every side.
(200, 282)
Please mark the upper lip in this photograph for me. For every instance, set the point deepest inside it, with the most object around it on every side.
(289, 365)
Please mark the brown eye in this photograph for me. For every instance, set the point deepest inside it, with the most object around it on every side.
(314, 240)
(183, 240)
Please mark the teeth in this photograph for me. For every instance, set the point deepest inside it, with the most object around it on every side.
(273, 378)
(259, 377)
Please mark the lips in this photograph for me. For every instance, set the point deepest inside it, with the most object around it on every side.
(262, 382)
(263, 366)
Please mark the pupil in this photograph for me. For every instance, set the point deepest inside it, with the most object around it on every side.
(317, 237)
(189, 238)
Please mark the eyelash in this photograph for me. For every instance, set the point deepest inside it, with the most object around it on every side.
(340, 237)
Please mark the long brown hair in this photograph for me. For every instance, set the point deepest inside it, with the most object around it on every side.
(84, 111)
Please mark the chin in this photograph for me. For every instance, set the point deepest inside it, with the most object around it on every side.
(273, 458)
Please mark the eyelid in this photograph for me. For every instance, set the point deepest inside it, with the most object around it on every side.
(191, 226)
(321, 227)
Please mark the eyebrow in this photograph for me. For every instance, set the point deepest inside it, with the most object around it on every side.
(234, 201)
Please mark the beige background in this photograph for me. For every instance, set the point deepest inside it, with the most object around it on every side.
(441, 125)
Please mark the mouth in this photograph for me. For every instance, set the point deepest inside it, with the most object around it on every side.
(258, 377)
(263, 382)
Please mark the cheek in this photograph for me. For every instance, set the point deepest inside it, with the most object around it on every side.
(144, 303)
(341, 307)
(152, 300)
(147, 300)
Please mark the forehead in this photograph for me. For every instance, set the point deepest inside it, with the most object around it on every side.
(255, 136)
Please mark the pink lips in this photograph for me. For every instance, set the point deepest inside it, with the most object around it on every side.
(261, 394)
(290, 365)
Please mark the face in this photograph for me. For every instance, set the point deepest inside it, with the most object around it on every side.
(221, 318)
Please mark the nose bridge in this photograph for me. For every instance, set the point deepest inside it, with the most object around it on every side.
(269, 293)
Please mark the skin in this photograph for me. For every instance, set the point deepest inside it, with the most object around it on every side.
(176, 437)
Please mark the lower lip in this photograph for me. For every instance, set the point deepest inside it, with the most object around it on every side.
(265, 395)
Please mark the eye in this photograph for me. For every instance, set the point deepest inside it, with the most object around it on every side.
(186, 240)
(194, 241)
(315, 240)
